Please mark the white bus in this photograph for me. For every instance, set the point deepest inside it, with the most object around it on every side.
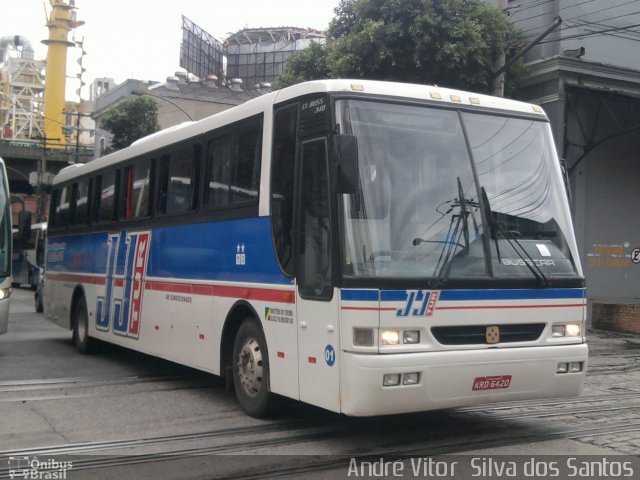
(366, 247)
(5, 249)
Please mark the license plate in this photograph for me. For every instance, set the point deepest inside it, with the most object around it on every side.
(491, 383)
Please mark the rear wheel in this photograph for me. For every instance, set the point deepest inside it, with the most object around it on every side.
(251, 370)
(80, 318)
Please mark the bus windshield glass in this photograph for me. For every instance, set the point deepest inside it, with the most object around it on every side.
(5, 228)
(451, 195)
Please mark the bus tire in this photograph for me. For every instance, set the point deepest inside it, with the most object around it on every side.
(251, 370)
(80, 319)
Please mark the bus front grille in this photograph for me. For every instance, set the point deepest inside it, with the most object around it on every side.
(477, 334)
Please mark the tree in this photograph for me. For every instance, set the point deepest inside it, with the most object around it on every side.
(454, 43)
(307, 64)
(134, 118)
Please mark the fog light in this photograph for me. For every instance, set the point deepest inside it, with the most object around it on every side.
(391, 380)
(390, 337)
(410, 378)
(411, 336)
(363, 337)
(575, 367)
(562, 367)
(557, 331)
(574, 330)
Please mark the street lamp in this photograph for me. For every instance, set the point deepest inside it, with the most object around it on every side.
(141, 93)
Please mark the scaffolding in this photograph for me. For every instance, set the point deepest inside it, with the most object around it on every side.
(22, 86)
(200, 53)
(257, 55)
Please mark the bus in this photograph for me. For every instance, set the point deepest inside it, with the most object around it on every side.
(366, 247)
(5, 248)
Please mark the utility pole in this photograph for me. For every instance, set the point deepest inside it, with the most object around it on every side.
(497, 86)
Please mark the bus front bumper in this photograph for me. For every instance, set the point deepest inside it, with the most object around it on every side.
(458, 378)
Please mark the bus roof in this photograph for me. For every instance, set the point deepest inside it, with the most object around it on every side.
(257, 105)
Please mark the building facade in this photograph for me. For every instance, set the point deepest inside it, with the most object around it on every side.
(586, 75)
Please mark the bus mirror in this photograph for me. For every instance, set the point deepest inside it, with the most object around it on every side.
(346, 160)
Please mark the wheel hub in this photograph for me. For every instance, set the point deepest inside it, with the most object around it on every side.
(250, 367)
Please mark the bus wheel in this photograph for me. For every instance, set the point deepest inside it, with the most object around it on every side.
(80, 319)
(251, 370)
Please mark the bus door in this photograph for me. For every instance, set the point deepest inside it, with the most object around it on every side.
(317, 302)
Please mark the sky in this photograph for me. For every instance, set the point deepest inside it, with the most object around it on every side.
(141, 38)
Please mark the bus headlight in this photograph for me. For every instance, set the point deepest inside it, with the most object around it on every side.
(574, 330)
(566, 330)
(390, 337)
(5, 293)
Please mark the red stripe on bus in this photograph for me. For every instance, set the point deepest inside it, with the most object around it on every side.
(490, 307)
(372, 309)
(67, 277)
(263, 294)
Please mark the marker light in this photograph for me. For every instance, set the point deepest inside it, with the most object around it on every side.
(363, 337)
(411, 336)
(391, 380)
(410, 378)
(575, 367)
(390, 337)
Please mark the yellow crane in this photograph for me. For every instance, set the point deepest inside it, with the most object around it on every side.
(60, 22)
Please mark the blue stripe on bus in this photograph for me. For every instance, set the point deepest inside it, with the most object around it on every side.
(202, 251)
(467, 295)
(359, 295)
(520, 294)
(393, 295)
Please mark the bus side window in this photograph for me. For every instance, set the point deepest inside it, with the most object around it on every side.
(62, 207)
(81, 202)
(96, 194)
(136, 190)
(234, 166)
(108, 196)
(282, 181)
(180, 191)
(163, 183)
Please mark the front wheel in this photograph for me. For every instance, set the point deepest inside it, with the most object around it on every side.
(80, 319)
(251, 370)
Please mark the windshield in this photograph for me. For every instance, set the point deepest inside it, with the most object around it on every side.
(5, 226)
(446, 195)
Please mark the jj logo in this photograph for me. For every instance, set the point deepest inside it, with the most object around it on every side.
(127, 255)
(419, 303)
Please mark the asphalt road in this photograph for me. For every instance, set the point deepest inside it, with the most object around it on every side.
(120, 414)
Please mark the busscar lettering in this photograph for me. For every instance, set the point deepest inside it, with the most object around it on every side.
(519, 262)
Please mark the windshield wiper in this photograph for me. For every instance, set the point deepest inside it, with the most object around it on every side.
(496, 228)
(459, 226)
